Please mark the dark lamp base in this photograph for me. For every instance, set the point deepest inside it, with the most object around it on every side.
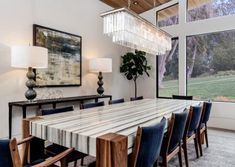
(30, 94)
(100, 89)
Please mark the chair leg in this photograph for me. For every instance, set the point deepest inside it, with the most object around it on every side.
(196, 146)
(185, 153)
(200, 143)
(206, 136)
(63, 163)
(202, 137)
(156, 163)
(75, 163)
(82, 161)
(180, 157)
(164, 161)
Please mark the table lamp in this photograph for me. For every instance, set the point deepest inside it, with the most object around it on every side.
(100, 65)
(29, 57)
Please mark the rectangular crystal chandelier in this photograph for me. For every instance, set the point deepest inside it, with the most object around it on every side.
(129, 29)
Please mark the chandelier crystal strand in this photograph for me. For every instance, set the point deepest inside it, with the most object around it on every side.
(129, 29)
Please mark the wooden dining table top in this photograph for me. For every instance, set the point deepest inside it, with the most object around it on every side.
(80, 128)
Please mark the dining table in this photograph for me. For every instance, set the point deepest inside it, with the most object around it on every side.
(106, 132)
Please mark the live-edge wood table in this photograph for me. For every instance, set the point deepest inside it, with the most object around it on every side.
(106, 132)
(39, 103)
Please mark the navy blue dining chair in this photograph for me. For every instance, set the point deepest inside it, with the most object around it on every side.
(55, 149)
(147, 145)
(10, 157)
(57, 110)
(91, 105)
(191, 130)
(117, 101)
(172, 143)
(203, 130)
(136, 98)
(5, 153)
(179, 97)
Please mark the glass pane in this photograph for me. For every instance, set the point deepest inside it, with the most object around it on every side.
(168, 16)
(211, 66)
(204, 9)
(168, 72)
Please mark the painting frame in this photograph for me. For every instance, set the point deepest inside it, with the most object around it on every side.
(35, 27)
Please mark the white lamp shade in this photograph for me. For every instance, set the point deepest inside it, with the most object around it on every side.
(29, 56)
(100, 65)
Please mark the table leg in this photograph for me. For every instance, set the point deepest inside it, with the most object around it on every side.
(10, 121)
(111, 150)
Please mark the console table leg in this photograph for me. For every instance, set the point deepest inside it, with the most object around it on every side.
(24, 111)
(54, 105)
(111, 150)
(10, 121)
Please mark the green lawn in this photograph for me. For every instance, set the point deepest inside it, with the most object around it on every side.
(220, 88)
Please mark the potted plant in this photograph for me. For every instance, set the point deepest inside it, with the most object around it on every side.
(134, 65)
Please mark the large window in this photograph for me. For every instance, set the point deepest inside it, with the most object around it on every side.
(204, 9)
(168, 71)
(211, 66)
(210, 58)
(168, 16)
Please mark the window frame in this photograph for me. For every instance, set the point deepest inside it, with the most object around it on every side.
(157, 70)
(187, 7)
(185, 25)
(187, 80)
(165, 9)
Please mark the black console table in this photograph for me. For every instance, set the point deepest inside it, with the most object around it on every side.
(39, 103)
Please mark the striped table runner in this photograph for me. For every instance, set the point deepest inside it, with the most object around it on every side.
(80, 128)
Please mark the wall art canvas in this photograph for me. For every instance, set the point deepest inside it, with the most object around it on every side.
(64, 57)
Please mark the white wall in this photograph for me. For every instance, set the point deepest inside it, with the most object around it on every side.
(75, 16)
(16, 21)
(223, 114)
(147, 85)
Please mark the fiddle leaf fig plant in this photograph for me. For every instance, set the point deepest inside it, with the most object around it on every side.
(134, 65)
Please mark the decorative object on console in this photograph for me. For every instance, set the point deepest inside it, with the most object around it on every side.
(64, 58)
(29, 57)
(100, 65)
(134, 65)
(131, 30)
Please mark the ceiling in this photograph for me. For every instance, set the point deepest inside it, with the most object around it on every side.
(138, 6)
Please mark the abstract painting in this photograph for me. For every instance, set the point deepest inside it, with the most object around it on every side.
(64, 57)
